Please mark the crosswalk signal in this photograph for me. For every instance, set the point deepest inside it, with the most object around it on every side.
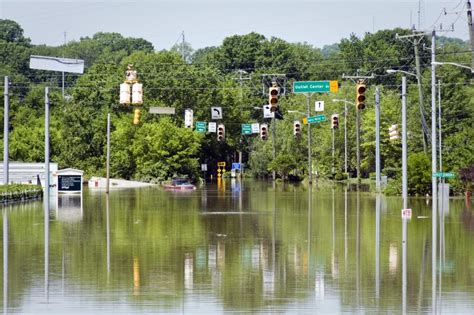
(297, 128)
(335, 121)
(136, 116)
(360, 100)
(264, 131)
(220, 132)
(393, 133)
(273, 93)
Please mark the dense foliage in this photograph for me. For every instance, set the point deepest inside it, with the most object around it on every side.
(234, 76)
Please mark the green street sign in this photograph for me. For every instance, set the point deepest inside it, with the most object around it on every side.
(246, 129)
(314, 119)
(201, 126)
(444, 175)
(315, 86)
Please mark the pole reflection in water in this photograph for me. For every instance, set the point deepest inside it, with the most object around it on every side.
(404, 265)
(107, 220)
(358, 250)
(345, 229)
(377, 247)
(46, 246)
(5, 261)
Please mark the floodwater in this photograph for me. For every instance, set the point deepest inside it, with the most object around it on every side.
(237, 247)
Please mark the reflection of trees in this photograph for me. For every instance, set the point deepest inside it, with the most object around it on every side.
(161, 243)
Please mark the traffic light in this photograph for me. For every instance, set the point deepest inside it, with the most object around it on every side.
(297, 128)
(393, 132)
(220, 132)
(264, 131)
(273, 93)
(137, 93)
(136, 116)
(124, 93)
(360, 100)
(335, 121)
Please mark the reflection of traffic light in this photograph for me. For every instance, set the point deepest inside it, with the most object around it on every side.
(393, 132)
(264, 131)
(360, 100)
(335, 121)
(297, 128)
(136, 116)
(220, 132)
(273, 93)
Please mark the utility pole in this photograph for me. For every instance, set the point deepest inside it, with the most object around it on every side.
(5, 132)
(46, 154)
(273, 144)
(332, 150)
(62, 81)
(471, 30)
(377, 139)
(182, 47)
(416, 39)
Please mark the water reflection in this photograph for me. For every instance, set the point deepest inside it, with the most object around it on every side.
(265, 248)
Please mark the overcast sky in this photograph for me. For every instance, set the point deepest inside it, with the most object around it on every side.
(208, 22)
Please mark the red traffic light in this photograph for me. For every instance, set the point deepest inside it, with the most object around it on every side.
(360, 99)
(335, 121)
(264, 131)
(220, 132)
(273, 93)
(297, 128)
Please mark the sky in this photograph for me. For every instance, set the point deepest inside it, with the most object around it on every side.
(208, 22)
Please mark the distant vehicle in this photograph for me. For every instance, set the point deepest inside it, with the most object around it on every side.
(179, 184)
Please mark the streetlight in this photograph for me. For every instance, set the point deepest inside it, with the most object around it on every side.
(345, 129)
(438, 63)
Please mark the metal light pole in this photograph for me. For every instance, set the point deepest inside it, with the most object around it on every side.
(308, 109)
(5, 133)
(404, 143)
(333, 150)
(345, 129)
(377, 139)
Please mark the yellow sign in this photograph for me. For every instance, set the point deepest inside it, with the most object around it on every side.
(305, 121)
(333, 86)
(221, 164)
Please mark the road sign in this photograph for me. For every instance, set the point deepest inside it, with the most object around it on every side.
(200, 126)
(204, 167)
(188, 118)
(314, 119)
(211, 126)
(56, 64)
(216, 112)
(267, 113)
(256, 128)
(444, 175)
(406, 213)
(315, 86)
(221, 164)
(162, 110)
(319, 106)
(246, 129)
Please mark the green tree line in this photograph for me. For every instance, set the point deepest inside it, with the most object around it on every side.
(160, 147)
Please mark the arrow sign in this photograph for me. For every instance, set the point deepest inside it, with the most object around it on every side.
(319, 106)
(216, 112)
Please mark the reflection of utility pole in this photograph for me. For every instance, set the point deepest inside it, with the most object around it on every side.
(5, 132)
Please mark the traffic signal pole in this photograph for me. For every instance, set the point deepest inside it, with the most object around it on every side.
(333, 151)
(434, 193)
(273, 144)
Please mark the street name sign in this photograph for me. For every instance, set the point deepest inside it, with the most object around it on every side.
(246, 129)
(255, 128)
(212, 126)
(162, 110)
(444, 175)
(315, 86)
(200, 126)
(314, 119)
